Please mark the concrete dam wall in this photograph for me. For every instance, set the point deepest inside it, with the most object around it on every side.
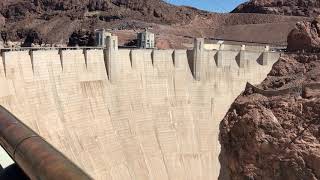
(125, 114)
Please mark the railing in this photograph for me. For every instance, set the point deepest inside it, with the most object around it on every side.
(50, 48)
(279, 43)
(36, 157)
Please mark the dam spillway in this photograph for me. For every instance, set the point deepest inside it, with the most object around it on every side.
(127, 113)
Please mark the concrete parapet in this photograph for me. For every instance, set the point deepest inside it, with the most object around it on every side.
(162, 58)
(179, 58)
(72, 59)
(136, 56)
(231, 47)
(255, 48)
(42, 60)
(211, 46)
(95, 66)
(117, 62)
(17, 59)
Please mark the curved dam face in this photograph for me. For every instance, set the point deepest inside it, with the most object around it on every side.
(131, 114)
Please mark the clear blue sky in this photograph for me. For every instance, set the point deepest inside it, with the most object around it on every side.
(209, 5)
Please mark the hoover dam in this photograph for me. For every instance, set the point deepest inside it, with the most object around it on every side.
(131, 114)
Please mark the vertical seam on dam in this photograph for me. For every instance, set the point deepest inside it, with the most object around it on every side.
(4, 63)
(85, 57)
(61, 58)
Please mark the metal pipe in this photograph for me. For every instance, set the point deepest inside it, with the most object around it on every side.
(36, 157)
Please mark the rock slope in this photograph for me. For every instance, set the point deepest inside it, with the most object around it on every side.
(305, 36)
(146, 10)
(275, 136)
(310, 8)
(55, 21)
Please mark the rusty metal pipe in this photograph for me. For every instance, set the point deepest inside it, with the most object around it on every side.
(36, 157)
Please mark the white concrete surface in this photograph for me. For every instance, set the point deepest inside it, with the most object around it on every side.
(5, 159)
(154, 121)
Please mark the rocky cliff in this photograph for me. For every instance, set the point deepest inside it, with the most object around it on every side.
(305, 36)
(281, 7)
(55, 21)
(146, 10)
(272, 131)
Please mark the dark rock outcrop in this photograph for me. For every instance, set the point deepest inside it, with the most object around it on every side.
(305, 37)
(32, 37)
(82, 38)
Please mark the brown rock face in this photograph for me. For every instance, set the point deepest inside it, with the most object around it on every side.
(310, 8)
(55, 21)
(275, 137)
(305, 37)
(2, 21)
(146, 10)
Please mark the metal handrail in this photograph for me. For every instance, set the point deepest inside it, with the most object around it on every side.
(36, 157)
